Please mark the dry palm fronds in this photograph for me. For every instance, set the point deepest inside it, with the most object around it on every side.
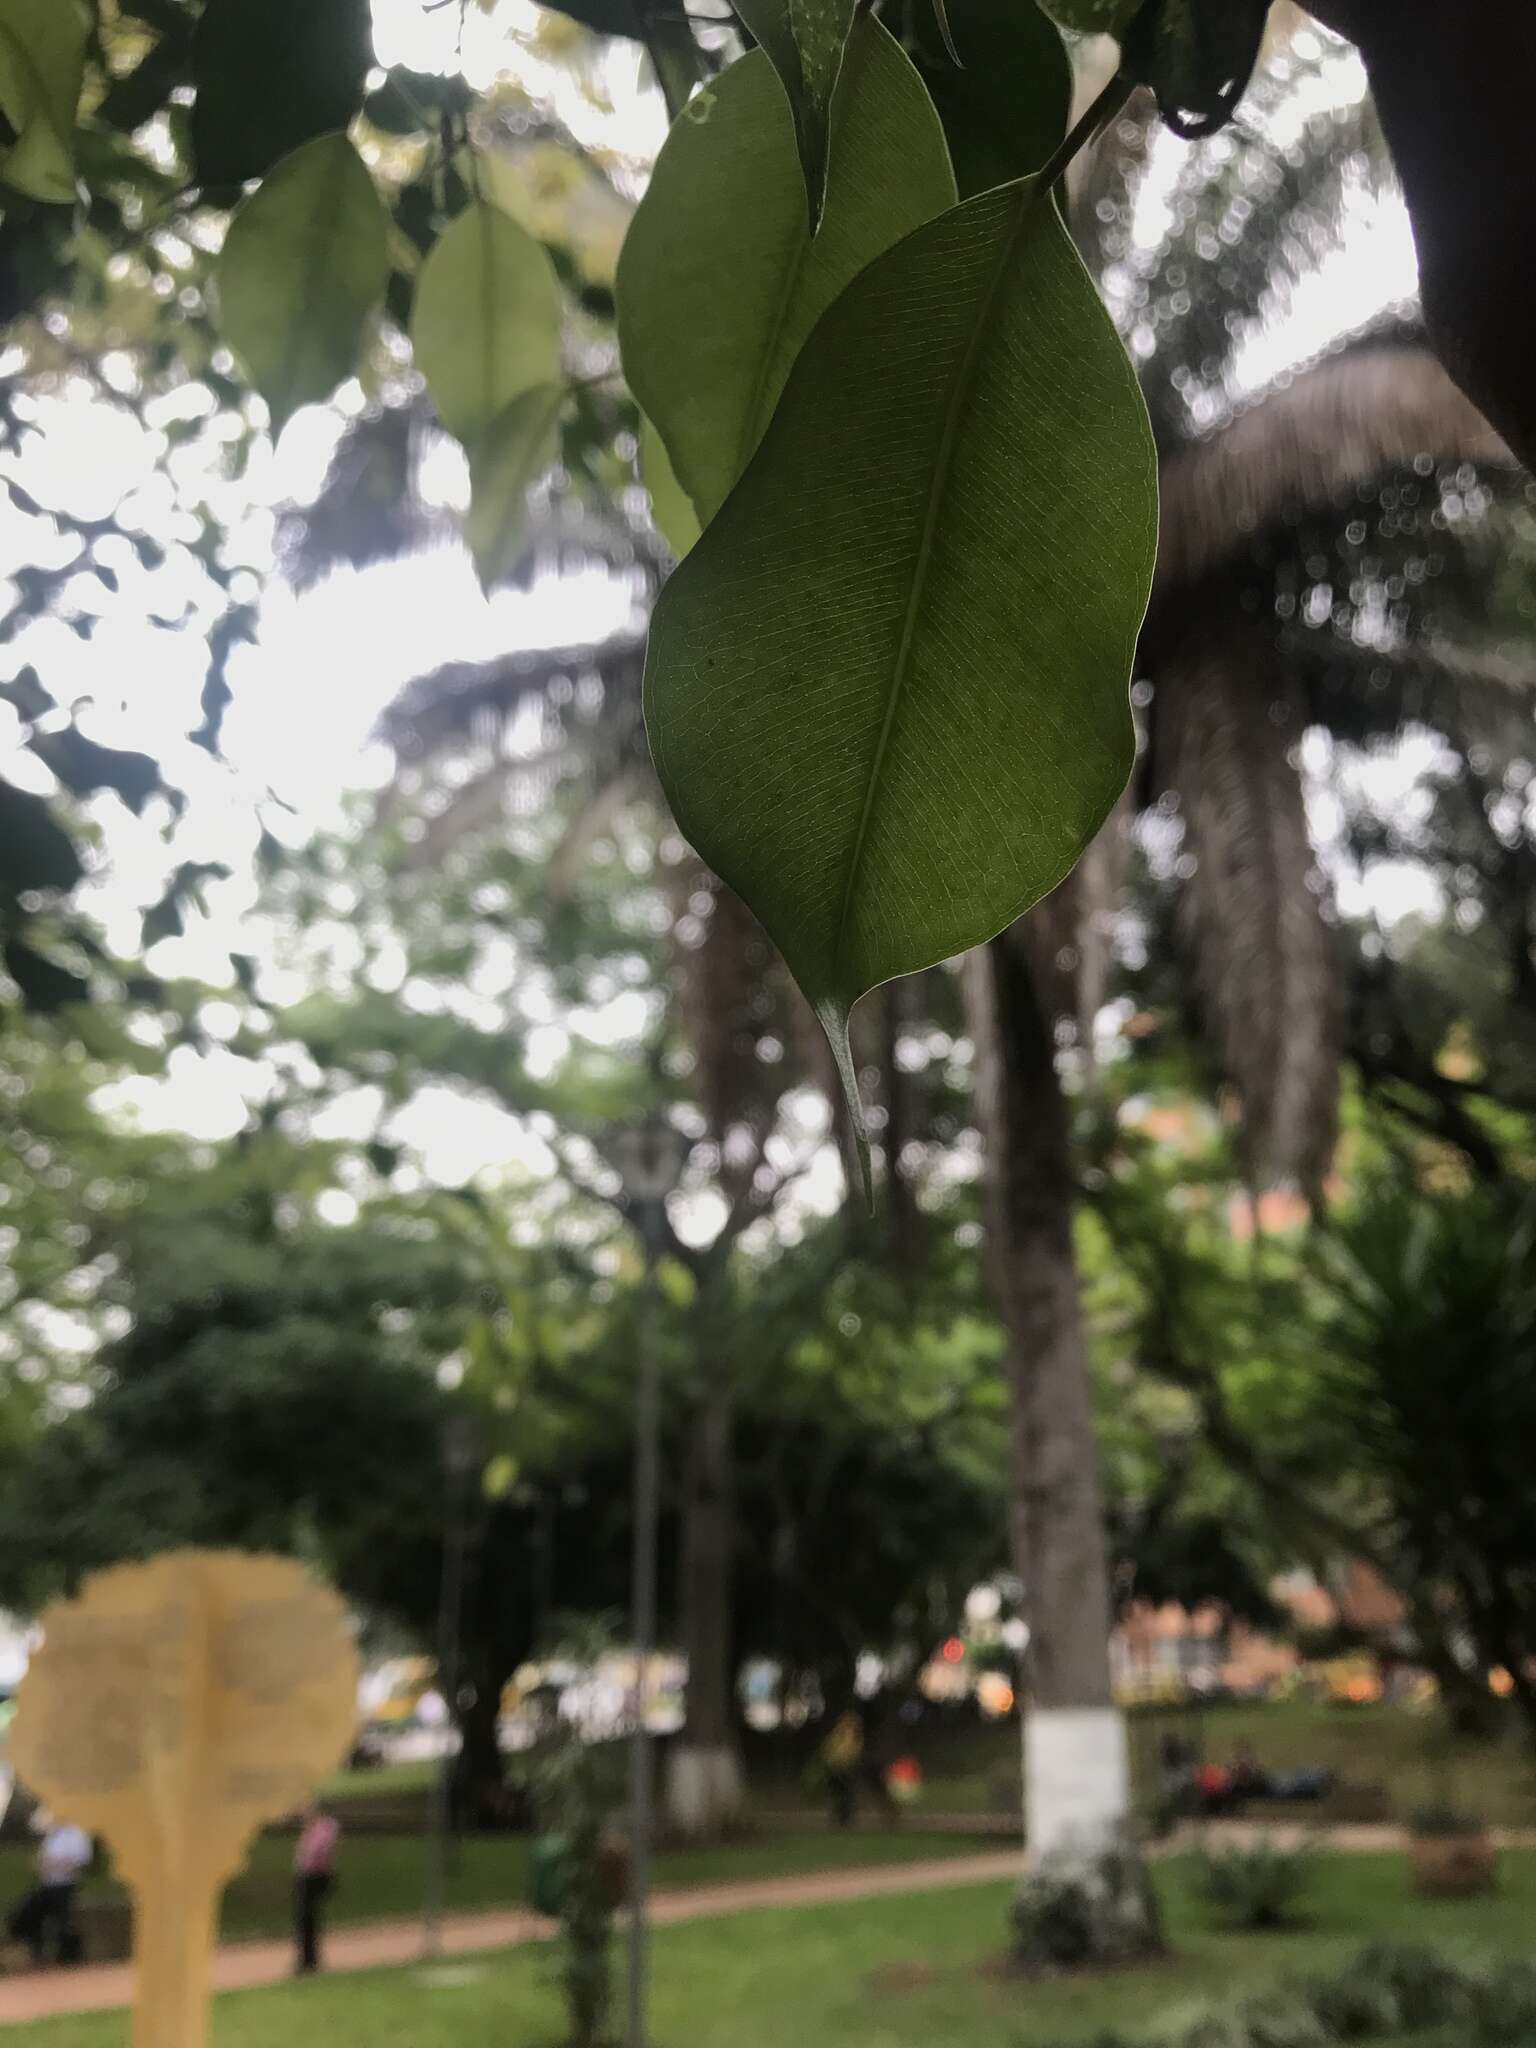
(1227, 720)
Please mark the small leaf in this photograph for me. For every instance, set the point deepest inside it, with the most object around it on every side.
(887, 692)
(1092, 17)
(946, 33)
(676, 1284)
(500, 1476)
(486, 324)
(83, 766)
(603, 17)
(302, 271)
(719, 279)
(1197, 56)
(504, 464)
(45, 986)
(805, 40)
(1007, 109)
(35, 851)
(42, 68)
(271, 74)
(671, 507)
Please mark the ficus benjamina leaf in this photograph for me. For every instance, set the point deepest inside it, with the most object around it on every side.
(804, 41)
(486, 320)
(1005, 106)
(302, 271)
(887, 691)
(42, 67)
(505, 462)
(1197, 56)
(1091, 17)
(671, 506)
(720, 280)
(271, 74)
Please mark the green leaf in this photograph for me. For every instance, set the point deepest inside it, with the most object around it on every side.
(271, 74)
(671, 507)
(719, 280)
(1092, 17)
(1006, 111)
(44, 985)
(486, 324)
(1197, 56)
(675, 1283)
(42, 68)
(887, 692)
(35, 851)
(500, 1476)
(302, 271)
(504, 464)
(805, 40)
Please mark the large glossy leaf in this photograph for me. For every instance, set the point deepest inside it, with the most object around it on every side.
(486, 324)
(504, 464)
(720, 280)
(42, 66)
(805, 41)
(1005, 106)
(887, 691)
(301, 273)
(271, 74)
(671, 507)
(1197, 56)
(1092, 17)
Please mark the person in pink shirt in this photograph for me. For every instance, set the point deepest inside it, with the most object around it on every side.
(314, 1876)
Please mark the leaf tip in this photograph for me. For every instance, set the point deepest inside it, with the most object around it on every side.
(947, 35)
(833, 1017)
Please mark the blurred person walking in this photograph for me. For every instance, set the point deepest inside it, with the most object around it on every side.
(314, 1878)
(842, 1756)
(46, 1916)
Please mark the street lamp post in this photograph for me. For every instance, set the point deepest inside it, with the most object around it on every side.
(649, 1158)
(460, 1454)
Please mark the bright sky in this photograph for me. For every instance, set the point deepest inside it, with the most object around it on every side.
(307, 695)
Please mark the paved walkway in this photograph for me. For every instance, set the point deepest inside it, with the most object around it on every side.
(103, 1986)
(241, 1965)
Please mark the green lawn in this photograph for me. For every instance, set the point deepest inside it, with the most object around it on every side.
(1403, 1752)
(384, 1875)
(893, 1973)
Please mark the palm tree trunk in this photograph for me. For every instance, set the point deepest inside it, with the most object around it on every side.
(704, 1791)
(1076, 1768)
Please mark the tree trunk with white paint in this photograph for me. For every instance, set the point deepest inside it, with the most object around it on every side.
(704, 1785)
(1076, 1779)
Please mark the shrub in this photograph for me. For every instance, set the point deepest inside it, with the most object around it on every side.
(1506, 2008)
(1443, 1824)
(1255, 1886)
(1426, 1990)
(1068, 1913)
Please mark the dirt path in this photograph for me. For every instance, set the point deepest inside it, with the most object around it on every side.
(240, 1965)
(103, 1986)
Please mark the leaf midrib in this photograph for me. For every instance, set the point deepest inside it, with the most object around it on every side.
(319, 232)
(753, 426)
(488, 313)
(1023, 212)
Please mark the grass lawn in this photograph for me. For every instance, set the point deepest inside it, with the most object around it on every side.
(385, 1875)
(893, 1973)
(975, 1768)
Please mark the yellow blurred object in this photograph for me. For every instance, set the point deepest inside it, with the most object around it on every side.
(994, 1695)
(1500, 1682)
(1352, 1681)
(173, 1708)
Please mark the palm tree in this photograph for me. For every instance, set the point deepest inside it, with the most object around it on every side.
(1264, 496)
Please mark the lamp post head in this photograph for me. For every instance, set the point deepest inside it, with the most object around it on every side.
(461, 1445)
(649, 1156)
